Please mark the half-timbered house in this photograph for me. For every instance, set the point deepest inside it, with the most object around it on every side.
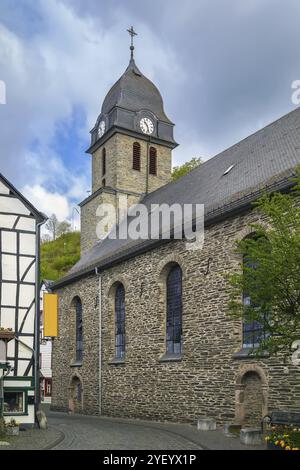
(19, 296)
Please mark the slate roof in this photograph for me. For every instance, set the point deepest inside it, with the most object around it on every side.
(266, 159)
(134, 91)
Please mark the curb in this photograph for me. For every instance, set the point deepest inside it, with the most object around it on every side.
(57, 441)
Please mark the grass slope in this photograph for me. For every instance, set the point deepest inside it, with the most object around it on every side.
(58, 256)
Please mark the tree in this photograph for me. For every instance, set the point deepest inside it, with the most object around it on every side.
(270, 274)
(63, 227)
(57, 228)
(179, 171)
(52, 225)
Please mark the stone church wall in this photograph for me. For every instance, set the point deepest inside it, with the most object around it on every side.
(208, 381)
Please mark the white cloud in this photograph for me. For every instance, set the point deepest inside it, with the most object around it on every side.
(48, 202)
(68, 61)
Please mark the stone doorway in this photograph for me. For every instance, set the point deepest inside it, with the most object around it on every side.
(251, 397)
(75, 395)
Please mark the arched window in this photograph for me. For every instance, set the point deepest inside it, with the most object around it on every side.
(120, 322)
(79, 329)
(153, 161)
(253, 331)
(103, 161)
(174, 311)
(136, 156)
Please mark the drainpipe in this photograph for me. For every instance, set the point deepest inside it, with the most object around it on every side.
(37, 320)
(100, 337)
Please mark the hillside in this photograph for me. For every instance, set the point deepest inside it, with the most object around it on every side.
(58, 256)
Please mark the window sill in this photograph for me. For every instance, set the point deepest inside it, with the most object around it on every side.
(246, 353)
(115, 362)
(170, 358)
(76, 364)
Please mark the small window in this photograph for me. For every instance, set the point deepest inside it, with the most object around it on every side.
(136, 156)
(120, 322)
(103, 161)
(104, 182)
(13, 402)
(228, 170)
(153, 161)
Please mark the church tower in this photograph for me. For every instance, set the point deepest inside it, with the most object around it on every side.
(131, 147)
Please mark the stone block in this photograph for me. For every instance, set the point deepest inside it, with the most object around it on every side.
(251, 436)
(206, 424)
(232, 430)
(42, 420)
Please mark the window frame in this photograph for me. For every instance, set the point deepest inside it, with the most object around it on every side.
(119, 322)
(173, 323)
(153, 161)
(252, 329)
(78, 330)
(103, 161)
(25, 401)
(136, 156)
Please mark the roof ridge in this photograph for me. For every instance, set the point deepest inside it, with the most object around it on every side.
(204, 163)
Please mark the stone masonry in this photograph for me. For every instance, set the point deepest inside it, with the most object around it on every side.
(208, 381)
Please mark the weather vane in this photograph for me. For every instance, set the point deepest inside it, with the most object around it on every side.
(132, 34)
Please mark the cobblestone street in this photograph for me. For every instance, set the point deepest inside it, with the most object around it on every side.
(84, 432)
(80, 432)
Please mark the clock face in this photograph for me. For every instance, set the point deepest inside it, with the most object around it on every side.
(147, 126)
(101, 129)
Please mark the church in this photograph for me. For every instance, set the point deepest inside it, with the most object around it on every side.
(144, 329)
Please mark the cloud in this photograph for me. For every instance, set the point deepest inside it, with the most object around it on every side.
(224, 70)
(48, 202)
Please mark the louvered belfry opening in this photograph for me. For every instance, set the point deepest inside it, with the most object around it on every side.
(153, 161)
(136, 156)
(103, 161)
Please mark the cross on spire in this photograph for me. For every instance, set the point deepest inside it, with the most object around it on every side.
(132, 33)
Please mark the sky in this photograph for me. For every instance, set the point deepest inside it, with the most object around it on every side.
(225, 69)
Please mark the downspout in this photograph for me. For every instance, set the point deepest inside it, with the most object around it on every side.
(37, 320)
(100, 337)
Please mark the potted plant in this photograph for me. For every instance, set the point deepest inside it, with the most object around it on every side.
(283, 438)
(12, 428)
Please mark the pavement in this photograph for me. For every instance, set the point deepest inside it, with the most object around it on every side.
(81, 432)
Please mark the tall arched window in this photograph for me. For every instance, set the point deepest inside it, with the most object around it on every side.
(103, 161)
(120, 322)
(174, 311)
(79, 329)
(253, 331)
(136, 156)
(153, 161)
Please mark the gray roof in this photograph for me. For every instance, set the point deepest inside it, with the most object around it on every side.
(134, 91)
(266, 159)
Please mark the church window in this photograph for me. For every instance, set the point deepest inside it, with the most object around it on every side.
(103, 161)
(120, 322)
(153, 161)
(174, 311)
(79, 330)
(253, 331)
(136, 156)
